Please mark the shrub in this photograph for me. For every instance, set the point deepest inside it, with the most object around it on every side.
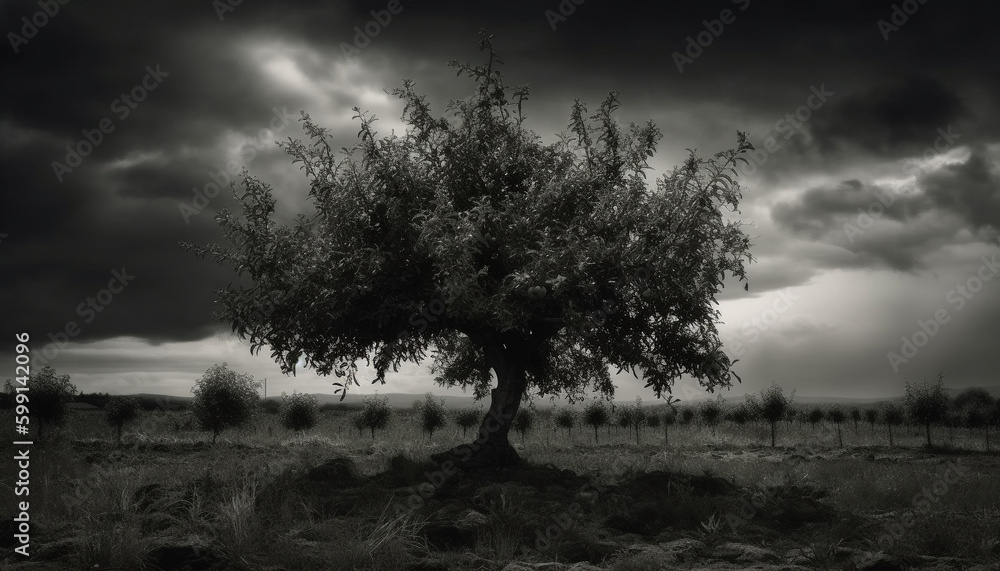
(375, 414)
(524, 420)
(50, 394)
(927, 403)
(566, 418)
(224, 399)
(596, 415)
(652, 419)
(299, 411)
(467, 418)
(270, 406)
(119, 411)
(432, 414)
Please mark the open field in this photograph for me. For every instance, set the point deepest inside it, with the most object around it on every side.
(264, 498)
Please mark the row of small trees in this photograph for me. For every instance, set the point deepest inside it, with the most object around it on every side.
(226, 399)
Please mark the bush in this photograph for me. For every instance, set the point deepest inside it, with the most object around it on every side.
(119, 411)
(467, 418)
(524, 420)
(224, 399)
(927, 403)
(299, 411)
(375, 414)
(432, 414)
(50, 394)
(595, 415)
(270, 406)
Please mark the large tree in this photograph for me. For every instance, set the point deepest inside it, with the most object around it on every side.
(526, 265)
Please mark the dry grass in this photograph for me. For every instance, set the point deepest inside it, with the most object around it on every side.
(247, 500)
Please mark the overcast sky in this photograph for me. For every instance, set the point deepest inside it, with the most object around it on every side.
(869, 108)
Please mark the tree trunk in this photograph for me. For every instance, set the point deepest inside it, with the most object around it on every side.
(928, 428)
(492, 449)
(890, 436)
(595, 434)
(119, 440)
(773, 424)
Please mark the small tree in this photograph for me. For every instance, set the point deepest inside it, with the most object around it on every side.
(815, 415)
(638, 417)
(772, 405)
(358, 422)
(856, 417)
(669, 419)
(687, 415)
(838, 417)
(927, 403)
(375, 413)
(596, 415)
(467, 418)
(892, 415)
(119, 411)
(299, 411)
(524, 420)
(711, 412)
(652, 419)
(871, 417)
(566, 418)
(432, 414)
(50, 396)
(224, 399)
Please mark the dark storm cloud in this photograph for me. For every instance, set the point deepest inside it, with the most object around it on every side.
(889, 120)
(888, 228)
(119, 208)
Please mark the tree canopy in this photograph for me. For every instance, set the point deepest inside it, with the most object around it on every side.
(539, 265)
